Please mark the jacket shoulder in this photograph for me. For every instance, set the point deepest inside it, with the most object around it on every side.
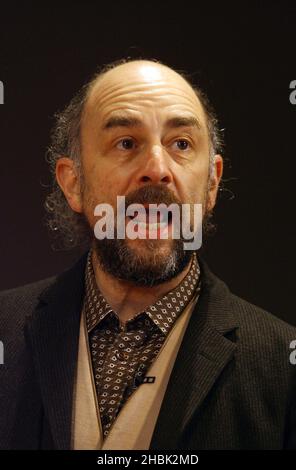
(259, 332)
(27, 290)
(242, 312)
(265, 342)
(253, 318)
(19, 302)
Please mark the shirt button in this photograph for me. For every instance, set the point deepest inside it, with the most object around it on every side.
(122, 356)
(105, 419)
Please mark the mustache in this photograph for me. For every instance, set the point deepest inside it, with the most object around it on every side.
(152, 194)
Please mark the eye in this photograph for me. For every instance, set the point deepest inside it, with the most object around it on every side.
(182, 144)
(126, 144)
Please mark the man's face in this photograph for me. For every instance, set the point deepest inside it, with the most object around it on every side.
(144, 136)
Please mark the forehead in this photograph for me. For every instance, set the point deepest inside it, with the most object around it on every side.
(142, 88)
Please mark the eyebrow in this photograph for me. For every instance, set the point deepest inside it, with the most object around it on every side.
(121, 121)
(128, 121)
(183, 121)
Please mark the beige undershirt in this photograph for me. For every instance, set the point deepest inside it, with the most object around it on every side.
(134, 425)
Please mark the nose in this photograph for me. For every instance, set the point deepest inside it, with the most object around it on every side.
(154, 167)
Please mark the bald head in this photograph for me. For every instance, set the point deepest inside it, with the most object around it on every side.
(139, 71)
(138, 76)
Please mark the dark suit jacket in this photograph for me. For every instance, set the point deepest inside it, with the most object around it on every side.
(232, 385)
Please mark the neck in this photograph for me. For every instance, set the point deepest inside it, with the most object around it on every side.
(126, 298)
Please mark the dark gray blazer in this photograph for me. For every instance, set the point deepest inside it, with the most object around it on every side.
(232, 385)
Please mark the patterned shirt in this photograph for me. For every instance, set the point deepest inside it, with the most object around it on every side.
(121, 355)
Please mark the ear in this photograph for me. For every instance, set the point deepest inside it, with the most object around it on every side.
(68, 180)
(214, 181)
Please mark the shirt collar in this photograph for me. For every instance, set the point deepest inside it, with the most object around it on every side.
(163, 313)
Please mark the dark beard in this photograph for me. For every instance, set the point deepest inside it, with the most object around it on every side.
(150, 266)
(122, 262)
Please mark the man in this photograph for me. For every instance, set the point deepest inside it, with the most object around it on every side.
(139, 345)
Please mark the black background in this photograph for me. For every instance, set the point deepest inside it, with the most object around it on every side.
(244, 58)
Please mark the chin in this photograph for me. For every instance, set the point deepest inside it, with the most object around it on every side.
(151, 247)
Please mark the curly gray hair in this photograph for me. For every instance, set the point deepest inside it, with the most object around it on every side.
(69, 228)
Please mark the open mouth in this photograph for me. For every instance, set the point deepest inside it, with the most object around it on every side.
(152, 219)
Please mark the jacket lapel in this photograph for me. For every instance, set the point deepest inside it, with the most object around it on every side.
(203, 354)
(53, 331)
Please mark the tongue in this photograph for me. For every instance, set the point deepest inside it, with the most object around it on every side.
(151, 217)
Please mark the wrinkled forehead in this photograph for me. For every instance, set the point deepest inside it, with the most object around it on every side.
(137, 83)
